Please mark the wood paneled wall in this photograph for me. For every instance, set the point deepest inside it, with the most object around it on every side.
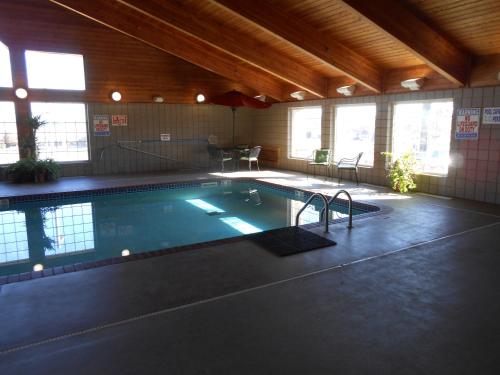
(112, 61)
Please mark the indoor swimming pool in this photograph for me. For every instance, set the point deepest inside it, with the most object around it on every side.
(81, 227)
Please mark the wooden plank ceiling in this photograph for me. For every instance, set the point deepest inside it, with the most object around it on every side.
(275, 47)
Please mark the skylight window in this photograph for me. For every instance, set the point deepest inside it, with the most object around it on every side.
(61, 71)
(5, 70)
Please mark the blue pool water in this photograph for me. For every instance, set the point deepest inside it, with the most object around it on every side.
(72, 230)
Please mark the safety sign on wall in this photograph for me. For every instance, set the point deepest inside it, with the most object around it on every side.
(491, 115)
(101, 126)
(468, 123)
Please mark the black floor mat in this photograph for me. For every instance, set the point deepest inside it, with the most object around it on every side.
(291, 240)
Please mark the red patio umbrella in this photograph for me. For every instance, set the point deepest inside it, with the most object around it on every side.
(235, 99)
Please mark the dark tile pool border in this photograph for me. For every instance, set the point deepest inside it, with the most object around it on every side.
(369, 209)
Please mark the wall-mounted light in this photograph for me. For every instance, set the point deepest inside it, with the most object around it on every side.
(21, 93)
(261, 97)
(116, 96)
(346, 90)
(413, 84)
(299, 95)
(158, 99)
(200, 98)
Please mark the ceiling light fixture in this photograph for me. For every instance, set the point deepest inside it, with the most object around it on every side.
(346, 90)
(413, 84)
(158, 99)
(261, 97)
(116, 96)
(21, 93)
(200, 98)
(299, 95)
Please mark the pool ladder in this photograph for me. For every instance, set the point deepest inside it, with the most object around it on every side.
(349, 198)
(326, 206)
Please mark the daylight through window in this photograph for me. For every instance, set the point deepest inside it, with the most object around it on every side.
(305, 129)
(423, 128)
(355, 132)
(64, 136)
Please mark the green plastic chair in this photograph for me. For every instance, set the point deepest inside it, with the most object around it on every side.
(321, 157)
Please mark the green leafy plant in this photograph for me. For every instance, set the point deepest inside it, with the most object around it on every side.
(22, 170)
(29, 141)
(402, 172)
(31, 170)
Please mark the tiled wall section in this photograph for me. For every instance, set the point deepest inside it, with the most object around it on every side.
(190, 123)
(474, 173)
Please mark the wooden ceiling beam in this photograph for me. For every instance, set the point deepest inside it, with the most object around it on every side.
(398, 22)
(185, 18)
(308, 39)
(116, 16)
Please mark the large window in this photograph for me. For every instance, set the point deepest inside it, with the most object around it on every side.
(423, 128)
(47, 70)
(305, 131)
(355, 132)
(5, 72)
(64, 137)
(9, 150)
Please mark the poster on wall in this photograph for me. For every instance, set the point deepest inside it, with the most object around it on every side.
(101, 126)
(468, 123)
(119, 120)
(491, 115)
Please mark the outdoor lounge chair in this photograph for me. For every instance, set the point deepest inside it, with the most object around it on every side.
(349, 164)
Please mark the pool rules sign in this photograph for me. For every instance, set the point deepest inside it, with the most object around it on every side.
(468, 123)
(101, 126)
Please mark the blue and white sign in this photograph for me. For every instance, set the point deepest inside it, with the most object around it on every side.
(468, 123)
(491, 115)
(101, 126)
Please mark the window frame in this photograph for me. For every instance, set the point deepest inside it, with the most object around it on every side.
(290, 130)
(27, 51)
(87, 127)
(393, 127)
(334, 130)
(17, 135)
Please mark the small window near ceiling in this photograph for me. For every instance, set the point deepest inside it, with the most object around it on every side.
(9, 149)
(64, 136)
(61, 71)
(424, 129)
(305, 132)
(5, 70)
(355, 132)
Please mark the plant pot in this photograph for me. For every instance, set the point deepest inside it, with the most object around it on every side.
(40, 177)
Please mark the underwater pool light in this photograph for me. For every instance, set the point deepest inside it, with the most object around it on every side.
(125, 252)
(38, 267)
(240, 225)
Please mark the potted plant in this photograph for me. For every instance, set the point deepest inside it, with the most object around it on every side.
(22, 171)
(32, 123)
(401, 172)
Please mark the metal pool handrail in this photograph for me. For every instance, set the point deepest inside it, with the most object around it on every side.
(332, 199)
(325, 201)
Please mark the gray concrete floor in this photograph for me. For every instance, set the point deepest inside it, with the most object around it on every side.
(411, 291)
